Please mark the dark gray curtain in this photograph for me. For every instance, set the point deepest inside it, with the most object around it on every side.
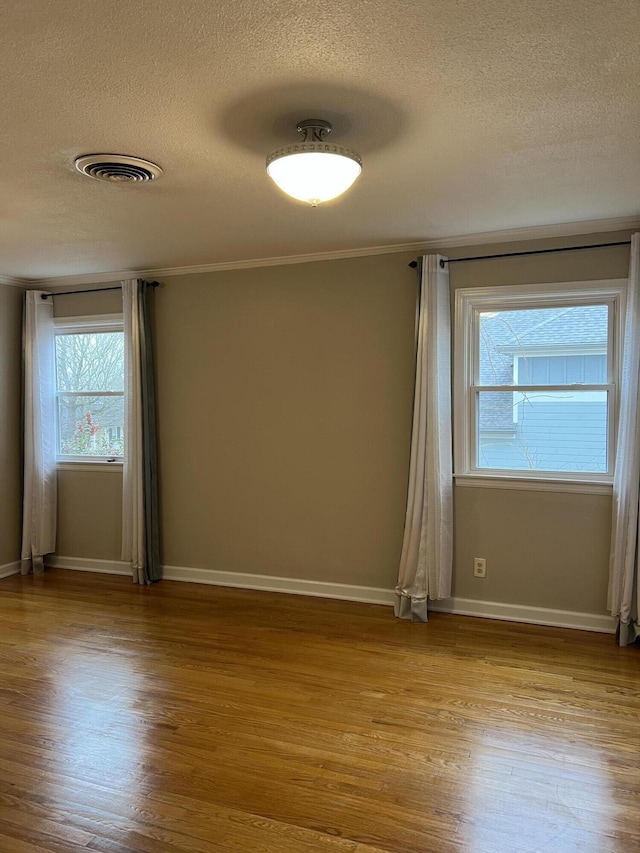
(153, 569)
(140, 521)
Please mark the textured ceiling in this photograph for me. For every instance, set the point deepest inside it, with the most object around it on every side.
(469, 116)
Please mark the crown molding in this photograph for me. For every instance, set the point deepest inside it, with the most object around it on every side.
(224, 266)
(512, 235)
(16, 282)
(539, 232)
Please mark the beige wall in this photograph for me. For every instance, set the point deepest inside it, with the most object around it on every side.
(86, 304)
(10, 422)
(543, 549)
(284, 400)
(89, 514)
(284, 404)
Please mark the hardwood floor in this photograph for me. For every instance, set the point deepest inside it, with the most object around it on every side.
(191, 718)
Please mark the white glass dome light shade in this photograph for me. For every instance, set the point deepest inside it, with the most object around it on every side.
(314, 176)
(314, 170)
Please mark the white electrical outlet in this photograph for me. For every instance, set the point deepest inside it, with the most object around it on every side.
(479, 567)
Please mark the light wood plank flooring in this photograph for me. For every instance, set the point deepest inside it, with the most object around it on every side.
(191, 718)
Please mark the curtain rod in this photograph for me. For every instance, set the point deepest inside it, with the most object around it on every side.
(94, 290)
(414, 264)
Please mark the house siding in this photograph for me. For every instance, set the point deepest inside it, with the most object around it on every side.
(551, 437)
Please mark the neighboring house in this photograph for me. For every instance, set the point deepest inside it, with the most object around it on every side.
(546, 430)
(91, 426)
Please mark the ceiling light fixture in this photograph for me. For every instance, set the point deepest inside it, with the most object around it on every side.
(314, 170)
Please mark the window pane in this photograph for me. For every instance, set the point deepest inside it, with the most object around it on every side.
(543, 431)
(542, 346)
(91, 426)
(90, 362)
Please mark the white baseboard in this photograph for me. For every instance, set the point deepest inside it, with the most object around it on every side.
(352, 592)
(10, 569)
(269, 583)
(215, 577)
(82, 564)
(529, 615)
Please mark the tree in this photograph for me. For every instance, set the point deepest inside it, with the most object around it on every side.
(90, 423)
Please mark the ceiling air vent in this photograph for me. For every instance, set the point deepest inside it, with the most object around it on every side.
(117, 168)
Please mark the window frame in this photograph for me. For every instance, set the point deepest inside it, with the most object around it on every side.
(469, 304)
(77, 326)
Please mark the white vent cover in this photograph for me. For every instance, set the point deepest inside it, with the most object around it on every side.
(117, 168)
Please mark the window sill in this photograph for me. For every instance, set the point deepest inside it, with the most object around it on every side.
(488, 481)
(114, 467)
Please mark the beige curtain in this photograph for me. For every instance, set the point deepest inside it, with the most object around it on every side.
(40, 475)
(427, 550)
(624, 592)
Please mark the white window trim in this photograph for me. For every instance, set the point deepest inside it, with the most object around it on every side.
(469, 302)
(88, 323)
(81, 463)
(84, 325)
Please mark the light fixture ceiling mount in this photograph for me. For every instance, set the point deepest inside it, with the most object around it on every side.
(314, 129)
(314, 170)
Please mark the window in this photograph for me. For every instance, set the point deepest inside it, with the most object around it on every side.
(90, 388)
(536, 372)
